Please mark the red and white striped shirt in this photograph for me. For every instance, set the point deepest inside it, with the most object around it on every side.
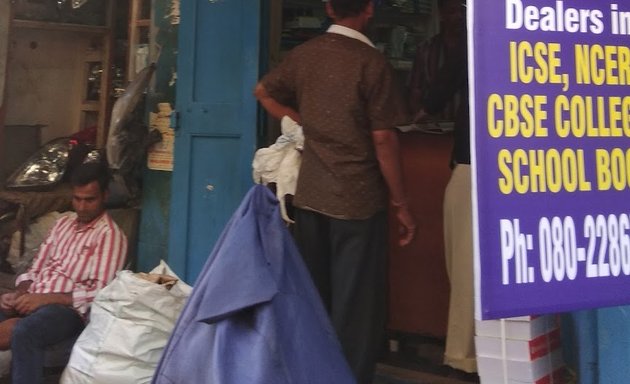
(78, 261)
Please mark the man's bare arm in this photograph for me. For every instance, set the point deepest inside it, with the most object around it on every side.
(22, 288)
(388, 154)
(273, 107)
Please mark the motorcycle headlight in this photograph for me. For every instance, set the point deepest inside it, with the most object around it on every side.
(45, 168)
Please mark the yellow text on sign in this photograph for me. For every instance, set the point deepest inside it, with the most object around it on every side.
(536, 63)
(602, 65)
(524, 171)
(512, 116)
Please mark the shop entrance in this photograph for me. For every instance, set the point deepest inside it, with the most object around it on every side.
(419, 288)
(418, 282)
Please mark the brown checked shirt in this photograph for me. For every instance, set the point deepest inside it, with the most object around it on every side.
(343, 89)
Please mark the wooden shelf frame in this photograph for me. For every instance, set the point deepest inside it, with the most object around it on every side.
(138, 27)
(105, 33)
(52, 26)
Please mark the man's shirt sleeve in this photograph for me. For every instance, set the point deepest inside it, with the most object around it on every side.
(385, 105)
(280, 82)
(46, 249)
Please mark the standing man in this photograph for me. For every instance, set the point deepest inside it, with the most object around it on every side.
(344, 94)
(441, 85)
(80, 255)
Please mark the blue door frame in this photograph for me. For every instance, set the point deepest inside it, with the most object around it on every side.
(218, 67)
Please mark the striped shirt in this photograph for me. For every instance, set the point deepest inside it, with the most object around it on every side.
(78, 261)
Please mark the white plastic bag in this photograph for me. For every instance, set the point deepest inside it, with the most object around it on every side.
(130, 323)
(280, 162)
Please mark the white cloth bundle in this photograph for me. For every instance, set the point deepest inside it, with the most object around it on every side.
(280, 162)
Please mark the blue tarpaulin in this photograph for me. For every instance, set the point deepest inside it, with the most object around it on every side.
(254, 315)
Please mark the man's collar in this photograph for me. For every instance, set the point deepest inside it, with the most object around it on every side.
(349, 32)
(92, 224)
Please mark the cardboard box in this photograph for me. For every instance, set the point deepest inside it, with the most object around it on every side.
(494, 369)
(518, 328)
(514, 349)
(519, 350)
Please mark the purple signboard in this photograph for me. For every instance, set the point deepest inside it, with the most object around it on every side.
(550, 123)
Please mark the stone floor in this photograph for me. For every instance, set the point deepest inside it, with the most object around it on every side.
(417, 362)
(414, 359)
(386, 374)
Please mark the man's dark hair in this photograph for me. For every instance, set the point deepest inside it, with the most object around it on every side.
(348, 8)
(92, 171)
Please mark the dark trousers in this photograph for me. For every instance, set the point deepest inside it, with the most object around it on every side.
(47, 326)
(348, 262)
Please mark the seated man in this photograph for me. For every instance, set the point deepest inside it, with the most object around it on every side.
(80, 255)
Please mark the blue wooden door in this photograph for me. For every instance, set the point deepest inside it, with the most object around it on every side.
(217, 69)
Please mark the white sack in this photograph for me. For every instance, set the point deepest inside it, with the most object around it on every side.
(131, 321)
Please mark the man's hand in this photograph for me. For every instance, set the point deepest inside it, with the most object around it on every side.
(29, 302)
(406, 225)
(7, 303)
